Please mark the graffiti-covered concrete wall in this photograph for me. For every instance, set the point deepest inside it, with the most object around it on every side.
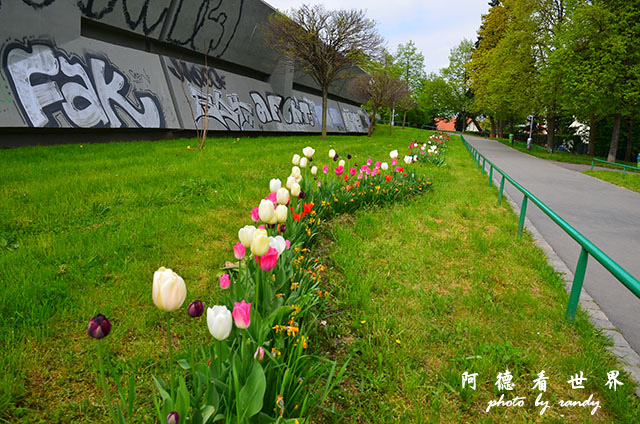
(139, 64)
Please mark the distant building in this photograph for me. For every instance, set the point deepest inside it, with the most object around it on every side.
(449, 124)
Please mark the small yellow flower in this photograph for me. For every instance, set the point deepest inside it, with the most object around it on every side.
(398, 341)
(188, 147)
(363, 321)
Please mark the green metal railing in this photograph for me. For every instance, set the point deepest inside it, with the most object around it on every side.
(588, 248)
(624, 170)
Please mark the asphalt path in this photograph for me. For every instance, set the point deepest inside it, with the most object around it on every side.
(606, 214)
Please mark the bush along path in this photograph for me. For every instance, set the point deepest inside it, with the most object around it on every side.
(447, 318)
(260, 364)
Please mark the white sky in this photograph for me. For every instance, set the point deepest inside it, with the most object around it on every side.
(435, 26)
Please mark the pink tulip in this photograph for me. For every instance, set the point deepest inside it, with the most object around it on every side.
(261, 227)
(369, 162)
(339, 170)
(255, 216)
(242, 314)
(288, 243)
(239, 250)
(273, 197)
(269, 260)
(378, 163)
(352, 171)
(374, 172)
(394, 161)
(259, 355)
(359, 176)
(225, 282)
(319, 183)
(325, 169)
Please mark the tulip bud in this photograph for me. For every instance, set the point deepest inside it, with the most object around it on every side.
(245, 235)
(296, 159)
(283, 228)
(314, 170)
(169, 290)
(173, 418)
(99, 327)
(348, 156)
(219, 322)
(274, 184)
(282, 196)
(295, 172)
(260, 245)
(239, 250)
(341, 163)
(281, 213)
(259, 355)
(308, 151)
(302, 195)
(242, 314)
(195, 309)
(295, 190)
(265, 210)
(303, 163)
(225, 281)
(332, 153)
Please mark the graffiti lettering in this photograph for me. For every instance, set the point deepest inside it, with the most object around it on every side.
(91, 11)
(196, 75)
(355, 121)
(38, 5)
(276, 109)
(48, 82)
(232, 111)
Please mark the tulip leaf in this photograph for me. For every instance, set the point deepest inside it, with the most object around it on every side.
(163, 393)
(207, 412)
(251, 395)
(182, 399)
(184, 364)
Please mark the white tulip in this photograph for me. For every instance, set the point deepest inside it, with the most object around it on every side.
(314, 170)
(278, 243)
(295, 190)
(219, 321)
(245, 235)
(260, 245)
(384, 166)
(415, 158)
(265, 210)
(169, 290)
(281, 213)
(341, 162)
(393, 154)
(282, 196)
(308, 151)
(296, 159)
(274, 185)
(290, 180)
(408, 159)
(332, 153)
(303, 163)
(295, 171)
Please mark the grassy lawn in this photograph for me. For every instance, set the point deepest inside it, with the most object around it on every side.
(630, 181)
(438, 286)
(560, 156)
(421, 291)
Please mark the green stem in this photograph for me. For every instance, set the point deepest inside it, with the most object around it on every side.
(103, 383)
(170, 351)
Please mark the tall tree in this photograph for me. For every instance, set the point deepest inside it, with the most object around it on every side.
(457, 78)
(410, 62)
(325, 44)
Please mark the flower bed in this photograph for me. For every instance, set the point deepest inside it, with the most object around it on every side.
(258, 367)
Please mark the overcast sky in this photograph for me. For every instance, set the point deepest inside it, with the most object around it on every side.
(435, 26)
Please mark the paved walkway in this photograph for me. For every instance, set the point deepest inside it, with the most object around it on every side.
(606, 214)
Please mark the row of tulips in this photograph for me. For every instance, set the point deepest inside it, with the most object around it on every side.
(258, 366)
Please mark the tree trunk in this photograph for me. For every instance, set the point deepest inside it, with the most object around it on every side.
(592, 135)
(551, 132)
(500, 128)
(391, 113)
(615, 135)
(404, 119)
(324, 112)
(493, 126)
(463, 122)
(371, 121)
(627, 154)
(511, 126)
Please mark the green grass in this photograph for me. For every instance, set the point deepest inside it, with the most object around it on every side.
(83, 228)
(439, 285)
(630, 181)
(559, 156)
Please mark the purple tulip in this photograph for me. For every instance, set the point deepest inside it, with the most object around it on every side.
(302, 195)
(173, 418)
(195, 309)
(99, 327)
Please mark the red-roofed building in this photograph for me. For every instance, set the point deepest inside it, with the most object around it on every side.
(446, 124)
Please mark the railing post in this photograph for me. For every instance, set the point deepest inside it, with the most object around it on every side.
(624, 170)
(592, 164)
(501, 190)
(478, 161)
(523, 212)
(490, 174)
(576, 287)
(484, 161)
